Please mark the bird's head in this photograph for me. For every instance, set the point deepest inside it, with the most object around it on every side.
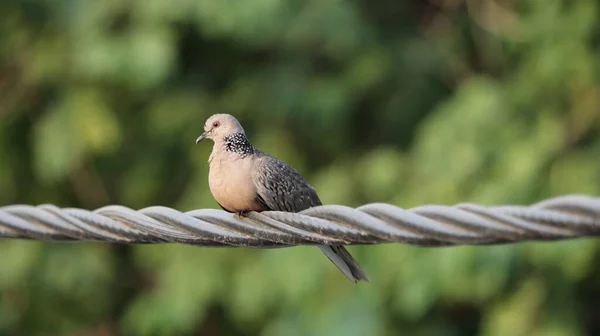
(219, 126)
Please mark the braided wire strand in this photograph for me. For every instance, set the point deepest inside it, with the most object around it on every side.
(563, 217)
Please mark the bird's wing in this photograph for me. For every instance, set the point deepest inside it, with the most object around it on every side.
(280, 187)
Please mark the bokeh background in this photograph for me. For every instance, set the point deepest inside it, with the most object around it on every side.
(406, 102)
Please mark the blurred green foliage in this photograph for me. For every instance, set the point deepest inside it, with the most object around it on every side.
(407, 102)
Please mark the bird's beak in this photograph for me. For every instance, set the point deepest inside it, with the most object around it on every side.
(202, 137)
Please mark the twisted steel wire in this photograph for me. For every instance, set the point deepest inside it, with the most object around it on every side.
(564, 217)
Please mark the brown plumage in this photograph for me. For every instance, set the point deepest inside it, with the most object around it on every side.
(243, 178)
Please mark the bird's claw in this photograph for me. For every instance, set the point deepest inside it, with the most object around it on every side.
(241, 214)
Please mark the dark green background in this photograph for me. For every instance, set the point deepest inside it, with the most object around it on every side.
(406, 102)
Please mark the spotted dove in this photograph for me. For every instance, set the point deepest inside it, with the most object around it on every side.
(242, 178)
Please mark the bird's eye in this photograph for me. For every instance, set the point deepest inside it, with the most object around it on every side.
(216, 124)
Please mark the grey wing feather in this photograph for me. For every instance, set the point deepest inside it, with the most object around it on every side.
(281, 188)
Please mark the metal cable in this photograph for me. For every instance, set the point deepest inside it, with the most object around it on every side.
(564, 217)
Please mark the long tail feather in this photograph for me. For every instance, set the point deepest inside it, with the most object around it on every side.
(344, 261)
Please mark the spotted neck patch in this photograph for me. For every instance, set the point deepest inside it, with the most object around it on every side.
(238, 143)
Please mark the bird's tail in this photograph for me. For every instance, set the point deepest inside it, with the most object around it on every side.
(344, 261)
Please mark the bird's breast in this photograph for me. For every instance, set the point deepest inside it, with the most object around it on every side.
(231, 184)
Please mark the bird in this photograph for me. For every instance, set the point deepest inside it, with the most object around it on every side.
(243, 178)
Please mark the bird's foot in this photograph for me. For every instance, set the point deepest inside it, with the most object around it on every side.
(240, 214)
